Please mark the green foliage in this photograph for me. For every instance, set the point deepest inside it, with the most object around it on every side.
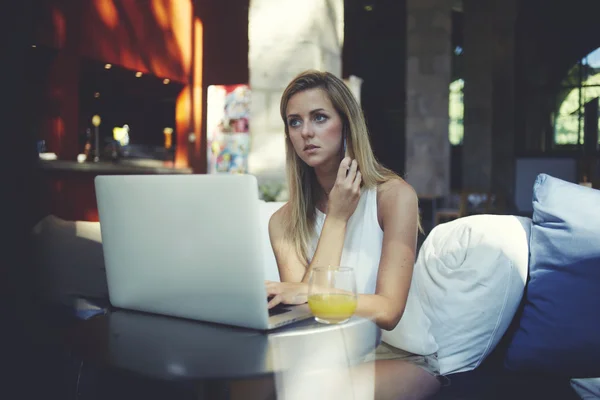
(270, 191)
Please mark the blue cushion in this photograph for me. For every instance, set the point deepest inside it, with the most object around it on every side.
(559, 329)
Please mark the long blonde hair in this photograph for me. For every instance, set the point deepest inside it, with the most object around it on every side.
(304, 189)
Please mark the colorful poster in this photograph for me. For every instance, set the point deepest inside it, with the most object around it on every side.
(228, 137)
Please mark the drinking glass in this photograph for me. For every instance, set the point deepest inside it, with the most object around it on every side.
(332, 294)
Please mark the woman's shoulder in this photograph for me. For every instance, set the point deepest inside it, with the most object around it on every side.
(278, 218)
(393, 188)
(395, 196)
(283, 211)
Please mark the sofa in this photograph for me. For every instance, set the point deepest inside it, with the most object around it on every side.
(540, 337)
(511, 304)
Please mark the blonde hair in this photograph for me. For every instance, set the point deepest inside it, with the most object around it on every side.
(304, 190)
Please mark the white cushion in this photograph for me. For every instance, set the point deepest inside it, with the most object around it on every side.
(470, 277)
(413, 333)
(587, 388)
(267, 209)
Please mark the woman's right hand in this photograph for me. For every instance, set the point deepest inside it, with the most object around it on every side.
(345, 194)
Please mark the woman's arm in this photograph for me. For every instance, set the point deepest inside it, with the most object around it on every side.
(398, 211)
(293, 272)
(342, 203)
(328, 252)
(398, 216)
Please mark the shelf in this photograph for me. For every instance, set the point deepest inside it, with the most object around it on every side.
(120, 167)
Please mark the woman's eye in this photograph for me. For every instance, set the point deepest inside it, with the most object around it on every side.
(320, 118)
(293, 122)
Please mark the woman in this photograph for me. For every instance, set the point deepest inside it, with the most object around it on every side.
(347, 209)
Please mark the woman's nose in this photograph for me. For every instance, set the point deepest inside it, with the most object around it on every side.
(307, 130)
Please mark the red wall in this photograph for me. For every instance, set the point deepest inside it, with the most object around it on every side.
(196, 43)
(153, 36)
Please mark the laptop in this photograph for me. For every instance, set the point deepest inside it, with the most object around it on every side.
(188, 246)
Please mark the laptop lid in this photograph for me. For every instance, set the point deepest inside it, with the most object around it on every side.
(184, 245)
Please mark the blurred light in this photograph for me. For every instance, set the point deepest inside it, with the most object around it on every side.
(34, 46)
(458, 50)
(166, 81)
(369, 8)
(121, 134)
(97, 94)
(168, 131)
(107, 11)
(96, 120)
(138, 74)
(107, 66)
(176, 369)
(59, 23)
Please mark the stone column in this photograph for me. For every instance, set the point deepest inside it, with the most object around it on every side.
(503, 100)
(286, 37)
(489, 141)
(427, 87)
(478, 63)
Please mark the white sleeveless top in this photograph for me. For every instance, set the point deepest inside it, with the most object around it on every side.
(362, 251)
(362, 244)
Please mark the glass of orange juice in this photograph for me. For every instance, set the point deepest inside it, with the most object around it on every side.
(332, 294)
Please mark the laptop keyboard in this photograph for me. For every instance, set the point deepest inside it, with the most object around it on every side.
(278, 309)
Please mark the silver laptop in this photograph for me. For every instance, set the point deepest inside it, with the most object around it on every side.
(188, 246)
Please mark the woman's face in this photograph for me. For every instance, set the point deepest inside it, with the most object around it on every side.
(315, 128)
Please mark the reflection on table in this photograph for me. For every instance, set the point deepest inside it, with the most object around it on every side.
(302, 360)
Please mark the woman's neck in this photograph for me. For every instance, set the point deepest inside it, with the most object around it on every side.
(326, 179)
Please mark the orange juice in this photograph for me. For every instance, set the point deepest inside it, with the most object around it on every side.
(332, 308)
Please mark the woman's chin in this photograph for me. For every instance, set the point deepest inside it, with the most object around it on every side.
(320, 162)
(314, 162)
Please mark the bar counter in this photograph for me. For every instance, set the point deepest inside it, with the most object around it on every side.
(118, 167)
(67, 187)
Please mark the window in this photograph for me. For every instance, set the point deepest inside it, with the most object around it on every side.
(456, 108)
(456, 111)
(581, 86)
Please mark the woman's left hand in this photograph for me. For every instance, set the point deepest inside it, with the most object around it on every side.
(286, 292)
